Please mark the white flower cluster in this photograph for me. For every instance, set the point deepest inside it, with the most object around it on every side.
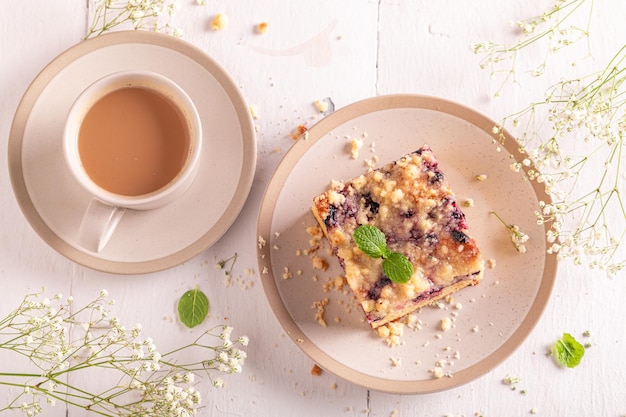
(518, 238)
(586, 217)
(228, 358)
(587, 223)
(152, 15)
(551, 28)
(60, 339)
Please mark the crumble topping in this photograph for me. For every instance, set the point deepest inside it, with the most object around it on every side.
(411, 202)
(261, 28)
(219, 22)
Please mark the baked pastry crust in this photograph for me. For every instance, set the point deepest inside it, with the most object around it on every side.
(412, 203)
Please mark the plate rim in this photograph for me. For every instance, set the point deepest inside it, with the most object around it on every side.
(52, 70)
(264, 222)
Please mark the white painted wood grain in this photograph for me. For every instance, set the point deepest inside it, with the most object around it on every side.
(347, 51)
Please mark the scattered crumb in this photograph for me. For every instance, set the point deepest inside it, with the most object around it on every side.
(261, 28)
(437, 372)
(219, 22)
(481, 177)
(468, 202)
(320, 305)
(287, 273)
(355, 146)
(446, 324)
(319, 263)
(458, 306)
(534, 410)
(333, 386)
(316, 370)
(300, 130)
(370, 164)
(396, 362)
(261, 242)
(321, 106)
(491, 263)
(254, 112)
(475, 329)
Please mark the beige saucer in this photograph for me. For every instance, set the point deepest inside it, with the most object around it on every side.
(52, 201)
(487, 322)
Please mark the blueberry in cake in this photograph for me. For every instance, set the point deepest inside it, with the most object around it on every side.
(411, 202)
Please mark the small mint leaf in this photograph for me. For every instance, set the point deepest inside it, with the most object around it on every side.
(567, 351)
(370, 240)
(397, 267)
(193, 307)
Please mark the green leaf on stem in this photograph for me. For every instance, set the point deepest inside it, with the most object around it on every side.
(193, 307)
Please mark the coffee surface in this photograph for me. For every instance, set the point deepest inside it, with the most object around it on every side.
(133, 141)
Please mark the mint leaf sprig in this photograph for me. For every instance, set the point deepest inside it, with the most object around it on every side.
(373, 243)
(567, 351)
(193, 307)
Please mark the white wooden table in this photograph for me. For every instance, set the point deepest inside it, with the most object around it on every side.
(347, 51)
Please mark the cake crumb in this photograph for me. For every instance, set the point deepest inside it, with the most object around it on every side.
(437, 372)
(468, 202)
(446, 324)
(287, 273)
(254, 111)
(319, 263)
(534, 410)
(396, 362)
(480, 177)
(261, 28)
(320, 305)
(355, 147)
(219, 22)
(316, 370)
(321, 105)
(261, 242)
(491, 263)
(299, 131)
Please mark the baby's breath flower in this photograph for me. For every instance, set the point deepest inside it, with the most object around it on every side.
(550, 29)
(586, 225)
(152, 15)
(518, 238)
(147, 383)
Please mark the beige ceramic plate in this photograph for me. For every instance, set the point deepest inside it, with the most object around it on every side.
(488, 321)
(144, 241)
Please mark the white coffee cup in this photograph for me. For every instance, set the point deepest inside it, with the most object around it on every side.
(112, 130)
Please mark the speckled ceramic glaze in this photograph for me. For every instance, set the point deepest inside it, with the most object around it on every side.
(488, 321)
(150, 240)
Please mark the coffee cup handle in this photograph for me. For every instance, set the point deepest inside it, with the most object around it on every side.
(99, 222)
